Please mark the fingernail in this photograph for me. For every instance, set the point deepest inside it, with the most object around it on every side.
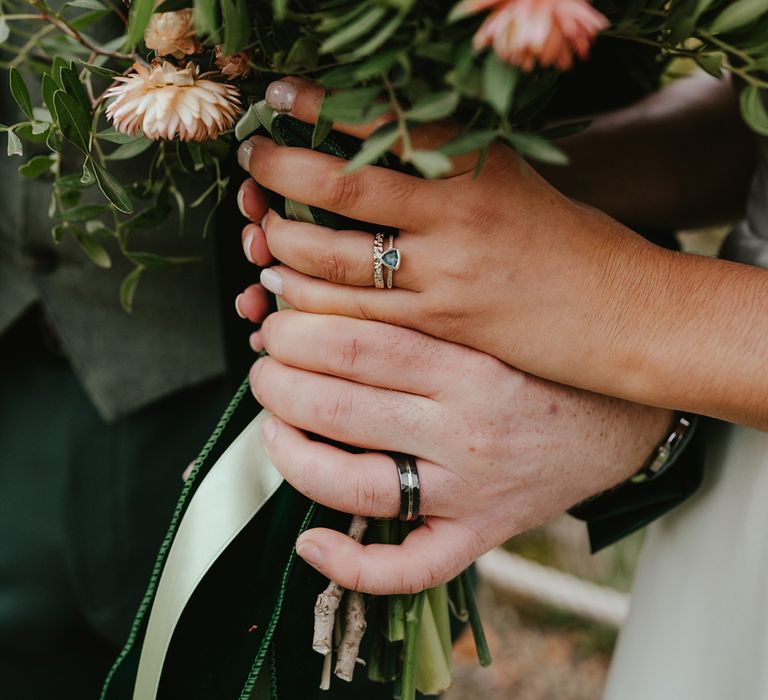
(238, 299)
(263, 222)
(244, 156)
(269, 430)
(281, 96)
(256, 342)
(310, 553)
(241, 203)
(272, 281)
(247, 246)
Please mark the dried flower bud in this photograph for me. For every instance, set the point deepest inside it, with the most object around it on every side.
(234, 66)
(172, 34)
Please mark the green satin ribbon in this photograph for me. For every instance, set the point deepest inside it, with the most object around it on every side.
(235, 489)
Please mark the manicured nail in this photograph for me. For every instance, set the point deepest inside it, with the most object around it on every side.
(281, 96)
(238, 299)
(244, 155)
(241, 203)
(310, 553)
(247, 246)
(272, 281)
(269, 430)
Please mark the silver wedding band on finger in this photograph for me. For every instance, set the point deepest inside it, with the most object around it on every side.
(385, 259)
(410, 489)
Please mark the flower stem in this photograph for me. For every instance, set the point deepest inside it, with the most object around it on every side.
(412, 626)
(481, 643)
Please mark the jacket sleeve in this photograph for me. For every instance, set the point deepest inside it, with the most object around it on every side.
(614, 514)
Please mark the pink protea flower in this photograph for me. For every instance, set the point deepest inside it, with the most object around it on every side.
(166, 102)
(527, 32)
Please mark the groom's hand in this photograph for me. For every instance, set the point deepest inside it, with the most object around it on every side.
(498, 451)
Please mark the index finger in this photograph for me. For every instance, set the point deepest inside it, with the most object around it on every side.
(376, 195)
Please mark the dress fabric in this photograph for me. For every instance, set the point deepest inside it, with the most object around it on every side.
(698, 625)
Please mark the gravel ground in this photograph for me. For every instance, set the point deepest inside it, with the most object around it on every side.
(537, 655)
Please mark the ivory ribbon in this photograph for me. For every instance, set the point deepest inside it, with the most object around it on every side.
(236, 488)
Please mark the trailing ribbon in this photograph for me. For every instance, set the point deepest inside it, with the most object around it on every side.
(235, 489)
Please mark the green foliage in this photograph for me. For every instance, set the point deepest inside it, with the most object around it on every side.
(400, 64)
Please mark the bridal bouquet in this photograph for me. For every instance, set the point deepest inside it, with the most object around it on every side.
(175, 85)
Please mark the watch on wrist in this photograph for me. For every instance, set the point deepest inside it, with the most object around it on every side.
(665, 454)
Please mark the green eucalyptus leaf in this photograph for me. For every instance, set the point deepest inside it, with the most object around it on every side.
(88, 5)
(114, 136)
(128, 288)
(5, 31)
(248, 123)
(354, 30)
(92, 248)
(237, 25)
(339, 77)
(378, 39)
(279, 8)
(48, 88)
(296, 211)
(57, 232)
(141, 11)
(74, 123)
(113, 190)
(84, 212)
(15, 147)
(36, 166)
(207, 19)
(753, 110)
(711, 63)
(430, 108)
(19, 92)
(322, 130)
(431, 164)
(536, 147)
(499, 82)
(100, 71)
(70, 83)
(469, 141)
(738, 14)
(131, 149)
(350, 105)
(374, 147)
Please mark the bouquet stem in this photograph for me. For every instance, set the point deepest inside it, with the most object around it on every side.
(412, 626)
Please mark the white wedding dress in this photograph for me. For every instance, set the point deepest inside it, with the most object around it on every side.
(698, 625)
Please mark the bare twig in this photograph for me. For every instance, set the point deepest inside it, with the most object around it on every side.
(63, 26)
(325, 678)
(354, 630)
(329, 600)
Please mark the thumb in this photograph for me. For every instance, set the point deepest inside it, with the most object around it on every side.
(430, 555)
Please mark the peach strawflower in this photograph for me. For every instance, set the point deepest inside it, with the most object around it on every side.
(529, 32)
(172, 34)
(233, 66)
(166, 102)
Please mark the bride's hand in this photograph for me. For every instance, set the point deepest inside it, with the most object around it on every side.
(498, 451)
(502, 262)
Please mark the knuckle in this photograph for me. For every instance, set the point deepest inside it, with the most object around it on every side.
(343, 357)
(337, 411)
(334, 267)
(363, 496)
(344, 192)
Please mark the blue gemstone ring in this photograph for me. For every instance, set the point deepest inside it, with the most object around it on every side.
(389, 259)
